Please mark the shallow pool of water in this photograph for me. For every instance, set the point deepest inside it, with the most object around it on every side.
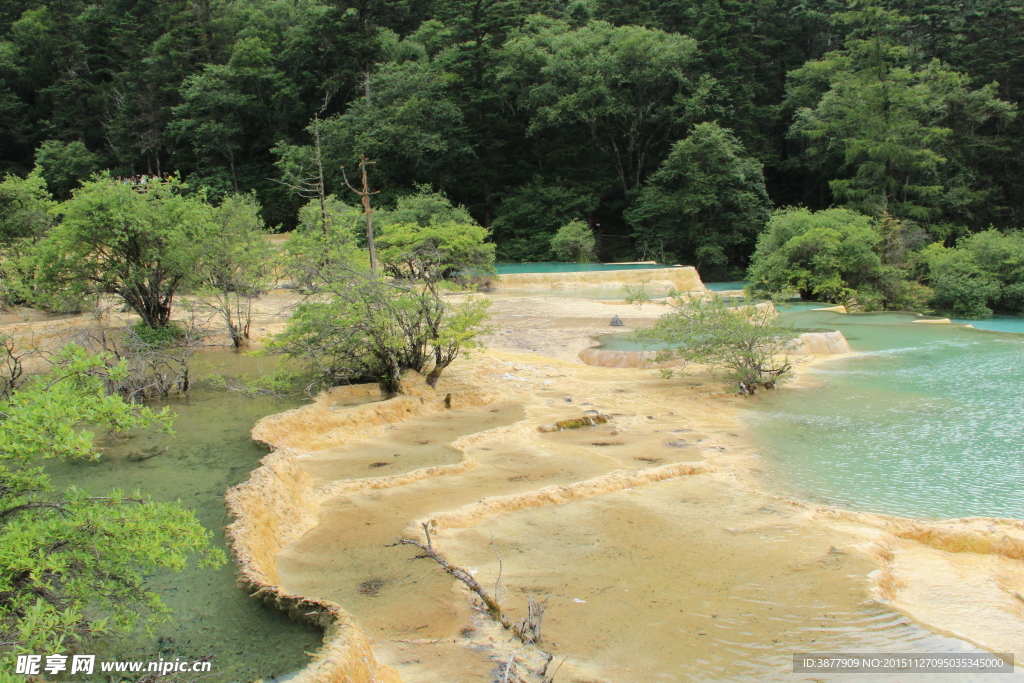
(558, 267)
(645, 585)
(996, 323)
(927, 422)
(622, 341)
(592, 293)
(210, 452)
(724, 286)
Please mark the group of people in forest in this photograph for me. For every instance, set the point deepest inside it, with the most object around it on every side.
(142, 180)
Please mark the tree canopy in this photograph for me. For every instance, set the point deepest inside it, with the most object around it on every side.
(839, 256)
(141, 245)
(895, 134)
(534, 113)
(705, 205)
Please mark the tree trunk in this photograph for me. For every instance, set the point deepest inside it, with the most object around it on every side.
(369, 218)
(392, 378)
(153, 313)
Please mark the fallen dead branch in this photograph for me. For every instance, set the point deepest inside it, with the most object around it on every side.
(575, 423)
(493, 608)
(528, 630)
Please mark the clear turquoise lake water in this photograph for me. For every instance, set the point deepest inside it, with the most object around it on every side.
(927, 422)
(556, 267)
(723, 286)
(997, 323)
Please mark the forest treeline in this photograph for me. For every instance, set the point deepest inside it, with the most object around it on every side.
(672, 128)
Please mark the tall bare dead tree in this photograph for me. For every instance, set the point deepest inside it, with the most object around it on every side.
(313, 186)
(365, 194)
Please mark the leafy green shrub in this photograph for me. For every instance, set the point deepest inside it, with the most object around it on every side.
(142, 247)
(963, 291)
(839, 256)
(75, 565)
(325, 240)
(821, 255)
(745, 344)
(424, 207)
(239, 265)
(376, 330)
(439, 251)
(984, 272)
(24, 207)
(575, 242)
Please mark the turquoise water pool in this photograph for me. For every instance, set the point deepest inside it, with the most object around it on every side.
(556, 267)
(621, 341)
(927, 422)
(997, 323)
(723, 286)
(591, 293)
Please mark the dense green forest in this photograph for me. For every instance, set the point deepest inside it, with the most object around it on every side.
(673, 128)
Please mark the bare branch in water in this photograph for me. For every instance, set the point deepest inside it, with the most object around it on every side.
(551, 678)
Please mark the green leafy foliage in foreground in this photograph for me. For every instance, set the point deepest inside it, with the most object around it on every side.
(73, 564)
(746, 345)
